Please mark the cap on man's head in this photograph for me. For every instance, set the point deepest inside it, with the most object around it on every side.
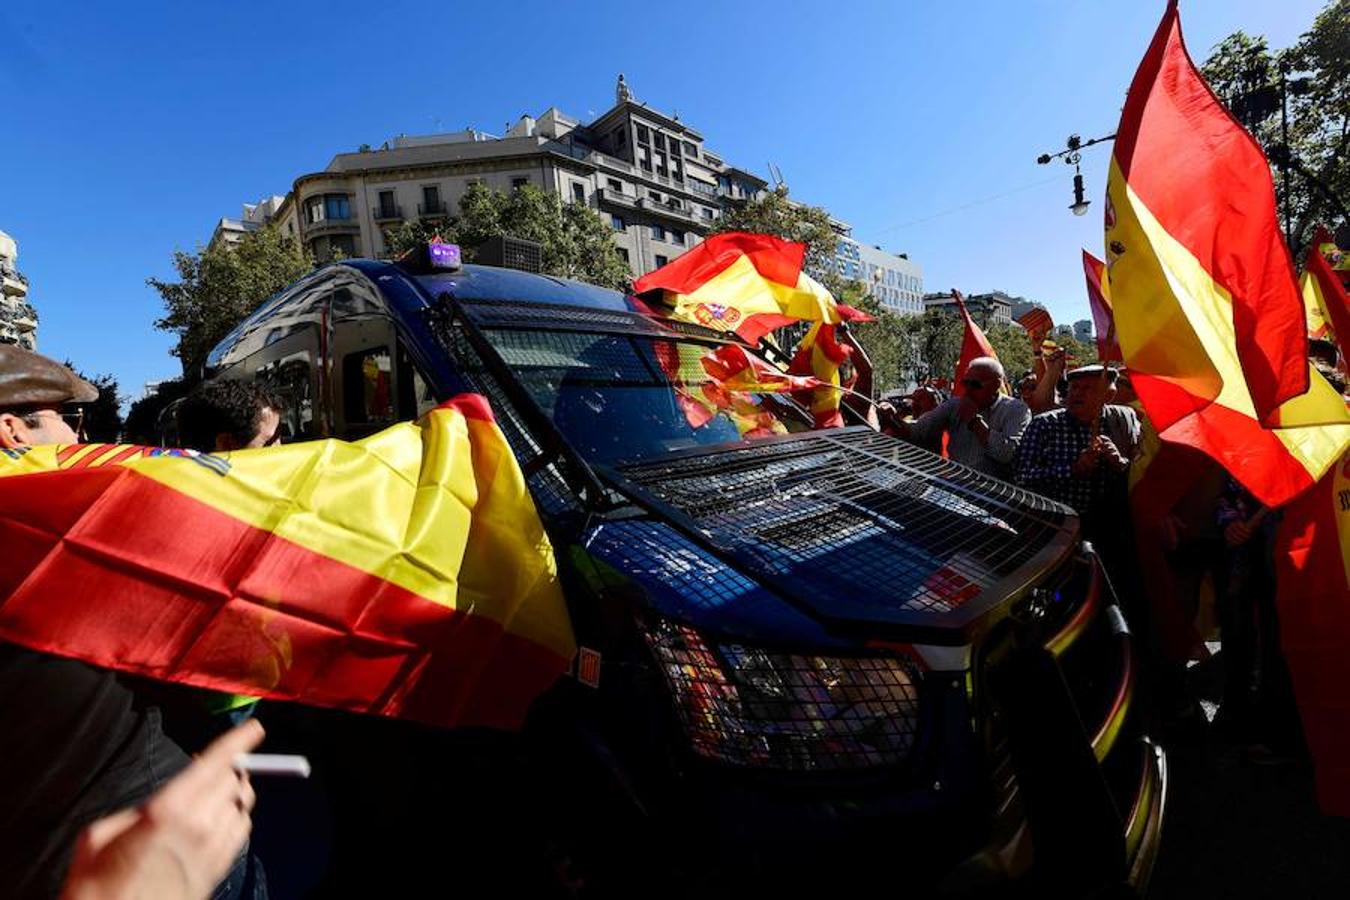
(1094, 370)
(30, 379)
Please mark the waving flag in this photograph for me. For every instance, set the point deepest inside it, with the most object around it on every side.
(1325, 299)
(1037, 323)
(973, 344)
(1108, 348)
(746, 283)
(1206, 308)
(406, 574)
(820, 354)
(732, 368)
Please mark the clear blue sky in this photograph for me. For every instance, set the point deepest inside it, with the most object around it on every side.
(128, 129)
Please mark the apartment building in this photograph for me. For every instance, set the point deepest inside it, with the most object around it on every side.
(648, 174)
(993, 308)
(18, 318)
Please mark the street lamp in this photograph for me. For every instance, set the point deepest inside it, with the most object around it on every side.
(1072, 154)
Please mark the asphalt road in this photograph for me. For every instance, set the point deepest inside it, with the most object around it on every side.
(1234, 829)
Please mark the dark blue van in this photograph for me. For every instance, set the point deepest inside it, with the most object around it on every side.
(810, 657)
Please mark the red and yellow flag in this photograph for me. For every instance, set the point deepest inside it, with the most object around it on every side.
(1037, 323)
(1324, 297)
(820, 354)
(1206, 308)
(746, 283)
(732, 368)
(1313, 599)
(1099, 299)
(406, 574)
(973, 344)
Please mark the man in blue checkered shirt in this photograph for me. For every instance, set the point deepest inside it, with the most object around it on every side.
(1080, 454)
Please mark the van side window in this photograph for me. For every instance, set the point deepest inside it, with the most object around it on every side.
(368, 387)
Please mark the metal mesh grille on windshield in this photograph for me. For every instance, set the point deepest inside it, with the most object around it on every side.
(854, 523)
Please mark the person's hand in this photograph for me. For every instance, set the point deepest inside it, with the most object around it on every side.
(979, 427)
(1107, 451)
(182, 842)
(1054, 364)
(966, 410)
(1237, 534)
(1085, 463)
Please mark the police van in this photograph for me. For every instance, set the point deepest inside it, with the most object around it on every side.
(811, 657)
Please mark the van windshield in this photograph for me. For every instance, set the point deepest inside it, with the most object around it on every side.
(625, 397)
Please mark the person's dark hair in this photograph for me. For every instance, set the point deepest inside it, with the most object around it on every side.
(224, 407)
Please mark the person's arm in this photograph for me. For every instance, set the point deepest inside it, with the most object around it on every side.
(182, 842)
(1043, 398)
(928, 428)
(1006, 430)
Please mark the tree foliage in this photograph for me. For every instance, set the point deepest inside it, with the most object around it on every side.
(1315, 72)
(219, 285)
(576, 242)
(773, 213)
(103, 416)
(142, 425)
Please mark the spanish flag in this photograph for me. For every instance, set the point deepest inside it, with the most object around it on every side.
(746, 283)
(1206, 308)
(1313, 598)
(1108, 348)
(820, 353)
(1324, 297)
(406, 574)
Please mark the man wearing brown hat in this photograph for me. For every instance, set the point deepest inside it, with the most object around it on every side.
(36, 394)
(76, 743)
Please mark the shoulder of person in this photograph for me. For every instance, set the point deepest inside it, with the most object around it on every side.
(1011, 404)
(1125, 413)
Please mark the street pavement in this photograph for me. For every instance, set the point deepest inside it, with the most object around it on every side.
(1235, 829)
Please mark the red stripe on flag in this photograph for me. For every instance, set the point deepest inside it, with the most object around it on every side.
(1108, 345)
(1335, 302)
(1205, 180)
(227, 606)
(774, 258)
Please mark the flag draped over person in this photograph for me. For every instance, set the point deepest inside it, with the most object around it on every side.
(1324, 297)
(406, 574)
(1206, 308)
(973, 343)
(1108, 348)
(746, 283)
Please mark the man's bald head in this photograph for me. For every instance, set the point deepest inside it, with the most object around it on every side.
(986, 365)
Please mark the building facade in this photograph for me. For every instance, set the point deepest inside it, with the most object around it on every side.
(648, 175)
(18, 318)
(1082, 330)
(893, 280)
(993, 308)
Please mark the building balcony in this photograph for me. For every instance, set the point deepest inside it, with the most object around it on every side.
(388, 213)
(431, 210)
(14, 284)
(332, 226)
(616, 198)
(664, 208)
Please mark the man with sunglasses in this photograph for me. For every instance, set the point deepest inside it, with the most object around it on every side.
(983, 425)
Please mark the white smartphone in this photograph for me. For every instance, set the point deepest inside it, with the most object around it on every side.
(272, 764)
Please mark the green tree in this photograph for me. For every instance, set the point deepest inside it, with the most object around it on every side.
(773, 213)
(575, 241)
(103, 416)
(142, 425)
(1247, 75)
(1013, 347)
(221, 284)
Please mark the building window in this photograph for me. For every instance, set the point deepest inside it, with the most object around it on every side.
(617, 223)
(337, 206)
(676, 236)
(660, 141)
(661, 260)
(623, 254)
(519, 182)
(658, 233)
(708, 214)
(387, 208)
(578, 192)
(655, 195)
(615, 185)
(643, 135)
(431, 199)
(675, 171)
(690, 150)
